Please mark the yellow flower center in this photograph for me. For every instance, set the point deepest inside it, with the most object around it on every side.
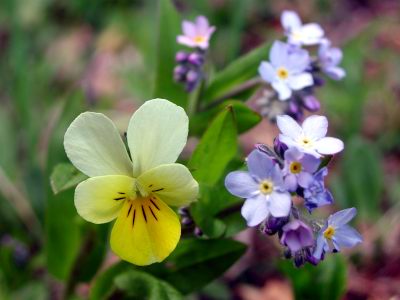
(329, 233)
(306, 142)
(295, 167)
(199, 39)
(296, 35)
(282, 73)
(266, 187)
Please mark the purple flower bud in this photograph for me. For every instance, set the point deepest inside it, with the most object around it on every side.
(196, 59)
(273, 225)
(297, 235)
(180, 73)
(192, 76)
(198, 231)
(311, 103)
(299, 260)
(181, 57)
(186, 221)
(279, 147)
(318, 81)
(183, 211)
(294, 110)
(310, 258)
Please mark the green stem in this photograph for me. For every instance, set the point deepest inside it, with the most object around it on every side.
(235, 91)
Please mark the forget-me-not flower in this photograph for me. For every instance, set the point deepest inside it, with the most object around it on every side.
(196, 34)
(299, 168)
(310, 137)
(299, 34)
(262, 187)
(286, 70)
(137, 193)
(315, 194)
(297, 235)
(337, 234)
(330, 58)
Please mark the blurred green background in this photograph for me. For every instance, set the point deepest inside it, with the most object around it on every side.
(61, 57)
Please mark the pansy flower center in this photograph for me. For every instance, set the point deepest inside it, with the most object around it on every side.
(295, 167)
(282, 73)
(266, 187)
(297, 35)
(329, 232)
(199, 39)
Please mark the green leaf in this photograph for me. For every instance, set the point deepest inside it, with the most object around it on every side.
(104, 284)
(63, 234)
(240, 70)
(216, 149)
(246, 118)
(197, 262)
(169, 27)
(139, 285)
(326, 281)
(361, 180)
(65, 176)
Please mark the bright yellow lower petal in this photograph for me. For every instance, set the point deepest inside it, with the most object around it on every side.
(146, 231)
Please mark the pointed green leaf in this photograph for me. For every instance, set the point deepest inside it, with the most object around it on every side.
(65, 176)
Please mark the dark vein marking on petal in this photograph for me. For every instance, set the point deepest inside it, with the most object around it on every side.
(150, 185)
(144, 214)
(120, 198)
(133, 218)
(153, 213)
(155, 205)
(121, 193)
(158, 190)
(129, 210)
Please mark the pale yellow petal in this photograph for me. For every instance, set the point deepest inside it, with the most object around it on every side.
(94, 146)
(156, 134)
(172, 183)
(146, 231)
(100, 199)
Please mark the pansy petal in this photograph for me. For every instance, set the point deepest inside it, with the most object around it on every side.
(298, 60)
(172, 183)
(300, 81)
(267, 72)
(329, 145)
(259, 164)
(342, 217)
(315, 127)
(156, 134)
(288, 127)
(146, 231)
(347, 236)
(255, 210)
(94, 146)
(284, 92)
(279, 204)
(290, 20)
(241, 184)
(321, 242)
(99, 199)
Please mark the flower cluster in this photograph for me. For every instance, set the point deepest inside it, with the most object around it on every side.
(189, 69)
(293, 72)
(295, 167)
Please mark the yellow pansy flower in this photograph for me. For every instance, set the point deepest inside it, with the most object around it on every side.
(135, 191)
